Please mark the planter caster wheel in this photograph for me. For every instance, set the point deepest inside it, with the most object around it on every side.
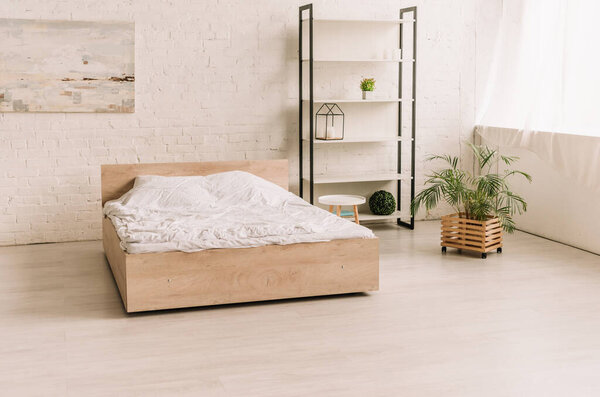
(443, 250)
(483, 255)
(499, 250)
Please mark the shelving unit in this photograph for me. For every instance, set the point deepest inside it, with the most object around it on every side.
(358, 178)
(386, 21)
(333, 100)
(307, 141)
(367, 217)
(359, 60)
(365, 140)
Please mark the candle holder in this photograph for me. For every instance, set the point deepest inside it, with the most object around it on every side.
(331, 127)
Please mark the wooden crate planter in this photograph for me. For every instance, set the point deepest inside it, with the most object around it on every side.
(468, 234)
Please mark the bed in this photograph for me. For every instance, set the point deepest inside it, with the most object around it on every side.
(177, 279)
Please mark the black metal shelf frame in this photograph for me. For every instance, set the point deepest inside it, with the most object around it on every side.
(403, 11)
(308, 9)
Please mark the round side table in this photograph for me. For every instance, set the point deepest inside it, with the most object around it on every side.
(340, 200)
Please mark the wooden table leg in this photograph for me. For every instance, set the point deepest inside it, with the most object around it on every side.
(331, 208)
(356, 215)
(339, 210)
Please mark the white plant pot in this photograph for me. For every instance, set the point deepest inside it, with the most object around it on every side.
(367, 95)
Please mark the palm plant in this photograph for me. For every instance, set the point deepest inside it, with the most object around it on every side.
(478, 196)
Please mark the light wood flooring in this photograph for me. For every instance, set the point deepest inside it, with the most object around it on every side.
(522, 323)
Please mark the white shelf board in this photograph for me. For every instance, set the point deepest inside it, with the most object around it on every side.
(376, 21)
(388, 100)
(360, 60)
(368, 217)
(324, 179)
(365, 140)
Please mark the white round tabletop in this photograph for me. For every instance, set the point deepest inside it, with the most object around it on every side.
(342, 199)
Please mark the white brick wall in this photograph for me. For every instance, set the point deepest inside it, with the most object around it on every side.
(215, 80)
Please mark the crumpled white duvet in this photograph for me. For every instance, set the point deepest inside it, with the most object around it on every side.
(226, 210)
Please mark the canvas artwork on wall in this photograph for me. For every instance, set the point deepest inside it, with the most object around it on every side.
(66, 66)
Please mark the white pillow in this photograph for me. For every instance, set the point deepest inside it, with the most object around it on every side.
(165, 192)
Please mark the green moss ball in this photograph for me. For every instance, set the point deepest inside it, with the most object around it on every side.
(382, 203)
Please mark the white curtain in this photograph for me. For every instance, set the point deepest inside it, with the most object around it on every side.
(544, 83)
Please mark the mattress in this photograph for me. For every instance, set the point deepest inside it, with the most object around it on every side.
(226, 210)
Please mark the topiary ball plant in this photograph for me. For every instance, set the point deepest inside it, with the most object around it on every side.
(382, 203)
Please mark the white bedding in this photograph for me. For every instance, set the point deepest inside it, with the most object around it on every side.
(227, 210)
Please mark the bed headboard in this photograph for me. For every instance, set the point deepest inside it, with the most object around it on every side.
(117, 179)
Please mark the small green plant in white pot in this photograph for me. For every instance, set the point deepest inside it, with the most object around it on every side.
(367, 85)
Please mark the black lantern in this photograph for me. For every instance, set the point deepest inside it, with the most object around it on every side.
(331, 126)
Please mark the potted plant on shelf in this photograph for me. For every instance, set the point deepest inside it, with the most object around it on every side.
(382, 203)
(484, 202)
(367, 85)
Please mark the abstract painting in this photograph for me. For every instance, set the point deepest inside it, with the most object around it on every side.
(66, 66)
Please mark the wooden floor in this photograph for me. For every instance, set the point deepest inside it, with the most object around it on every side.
(522, 323)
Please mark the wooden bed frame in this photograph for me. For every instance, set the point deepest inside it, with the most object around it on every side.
(177, 279)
